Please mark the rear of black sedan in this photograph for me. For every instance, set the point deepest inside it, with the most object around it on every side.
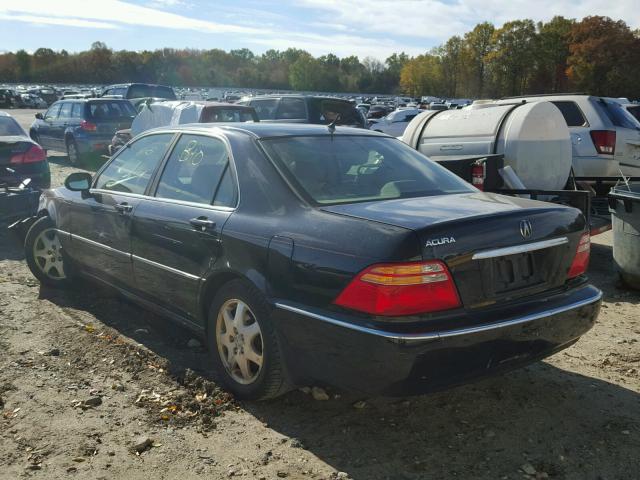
(308, 254)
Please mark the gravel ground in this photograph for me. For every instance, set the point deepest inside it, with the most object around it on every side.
(94, 387)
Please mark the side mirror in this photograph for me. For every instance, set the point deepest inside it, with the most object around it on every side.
(78, 182)
(39, 116)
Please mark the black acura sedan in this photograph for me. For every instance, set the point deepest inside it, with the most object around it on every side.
(307, 253)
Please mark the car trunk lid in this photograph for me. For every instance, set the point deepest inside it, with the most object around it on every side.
(10, 146)
(497, 248)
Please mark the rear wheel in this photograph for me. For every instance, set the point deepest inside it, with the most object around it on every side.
(243, 343)
(73, 153)
(44, 254)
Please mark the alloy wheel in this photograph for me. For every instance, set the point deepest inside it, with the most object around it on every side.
(239, 341)
(47, 252)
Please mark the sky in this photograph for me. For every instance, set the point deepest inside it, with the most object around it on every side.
(373, 28)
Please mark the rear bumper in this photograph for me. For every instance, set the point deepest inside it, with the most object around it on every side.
(94, 144)
(331, 349)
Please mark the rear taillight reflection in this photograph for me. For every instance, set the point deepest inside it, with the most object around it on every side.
(604, 141)
(33, 155)
(88, 126)
(581, 259)
(401, 289)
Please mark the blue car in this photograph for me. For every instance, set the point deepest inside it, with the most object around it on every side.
(81, 127)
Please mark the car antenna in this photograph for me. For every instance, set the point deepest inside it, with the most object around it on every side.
(332, 125)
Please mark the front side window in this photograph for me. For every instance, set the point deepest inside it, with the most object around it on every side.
(131, 170)
(345, 169)
(52, 113)
(266, 109)
(194, 170)
(65, 110)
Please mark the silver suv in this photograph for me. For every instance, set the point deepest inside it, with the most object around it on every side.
(605, 137)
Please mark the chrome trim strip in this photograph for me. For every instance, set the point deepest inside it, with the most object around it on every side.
(164, 267)
(98, 244)
(527, 247)
(447, 333)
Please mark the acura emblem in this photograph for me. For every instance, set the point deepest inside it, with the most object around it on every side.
(525, 228)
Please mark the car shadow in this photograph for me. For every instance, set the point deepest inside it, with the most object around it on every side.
(10, 246)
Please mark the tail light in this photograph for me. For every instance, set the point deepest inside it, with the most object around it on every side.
(478, 175)
(397, 289)
(88, 126)
(604, 141)
(33, 155)
(581, 260)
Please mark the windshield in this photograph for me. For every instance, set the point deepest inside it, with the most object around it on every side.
(217, 114)
(9, 127)
(325, 111)
(344, 169)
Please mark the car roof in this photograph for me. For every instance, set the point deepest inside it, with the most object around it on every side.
(93, 100)
(295, 95)
(264, 129)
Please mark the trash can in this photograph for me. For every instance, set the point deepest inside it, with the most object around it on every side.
(624, 205)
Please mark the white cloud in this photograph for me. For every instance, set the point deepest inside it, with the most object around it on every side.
(116, 12)
(68, 22)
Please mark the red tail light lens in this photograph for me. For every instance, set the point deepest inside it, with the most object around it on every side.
(88, 126)
(604, 141)
(401, 289)
(477, 175)
(581, 260)
(33, 155)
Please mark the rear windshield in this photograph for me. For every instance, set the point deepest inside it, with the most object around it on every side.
(98, 110)
(324, 111)
(338, 169)
(9, 127)
(217, 114)
(571, 113)
(618, 115)
(156, 91)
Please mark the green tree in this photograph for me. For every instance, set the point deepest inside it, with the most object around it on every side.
(478, 43)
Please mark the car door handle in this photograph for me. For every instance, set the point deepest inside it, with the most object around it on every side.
(123, 207)
(202, 223)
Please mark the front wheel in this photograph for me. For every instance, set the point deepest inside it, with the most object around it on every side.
(44, 254)
(243, 344)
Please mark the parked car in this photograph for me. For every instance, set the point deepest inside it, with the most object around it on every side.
(7, 98)
(305, 109)
(378, 111)
(305, 254)
(605, 137)
(179, 112)
(20, 157)
(30, 100)
(395, 123)
(49, 95)
(137, 92)
(81, 127)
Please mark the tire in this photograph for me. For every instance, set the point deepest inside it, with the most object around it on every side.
(73, 154)
(263, 381)
(44, 254)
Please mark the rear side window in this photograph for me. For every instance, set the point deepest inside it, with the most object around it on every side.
(77, 111)
(266, 109)
(194, 170)
(618, 115)
(292, 109)
(571, 113)
(105, 110)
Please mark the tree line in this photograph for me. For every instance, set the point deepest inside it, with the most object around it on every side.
(596, 55)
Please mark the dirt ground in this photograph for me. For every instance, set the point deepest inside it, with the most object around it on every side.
(93, 387)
